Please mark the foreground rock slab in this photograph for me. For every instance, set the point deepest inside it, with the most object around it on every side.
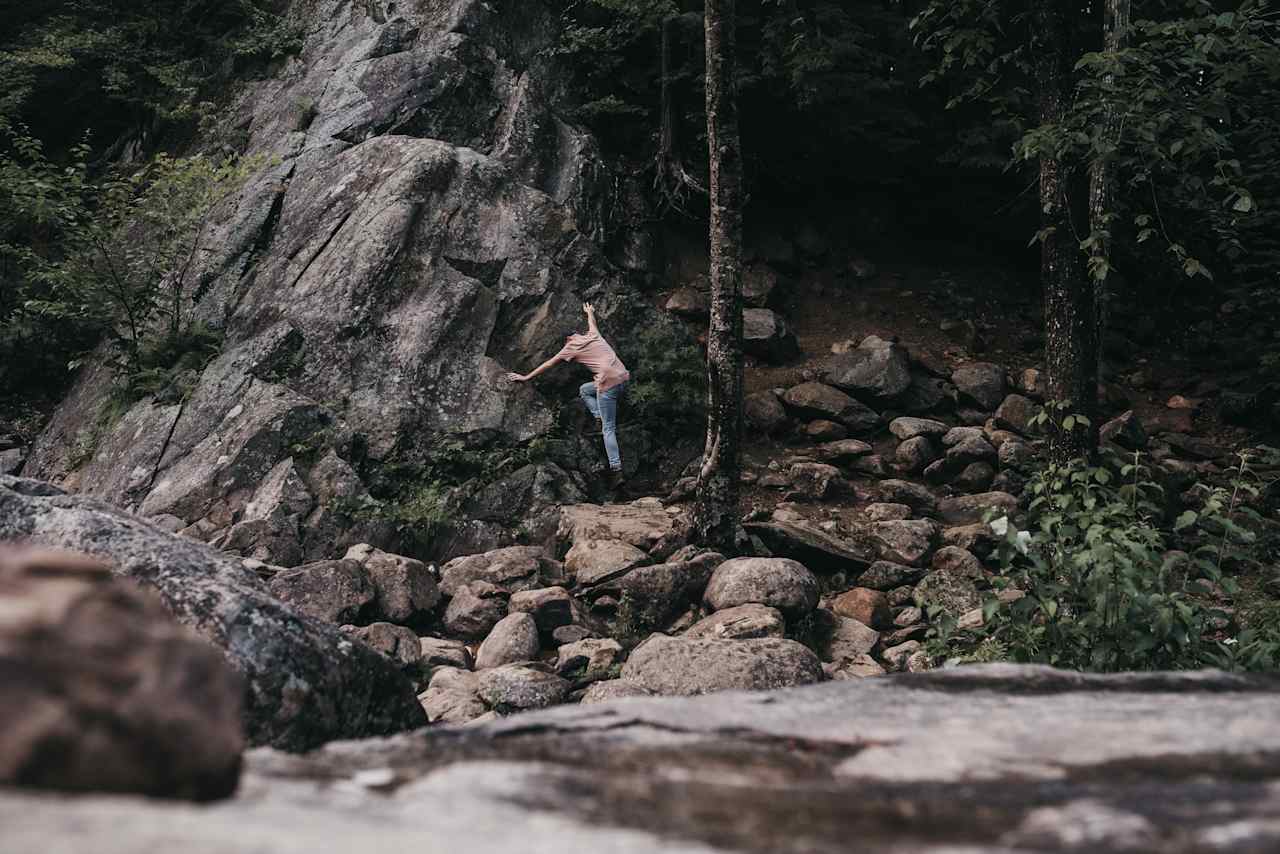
(994, 758)
(308, 683)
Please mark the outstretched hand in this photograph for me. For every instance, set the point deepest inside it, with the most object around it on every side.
(588, 309)
(516, 378)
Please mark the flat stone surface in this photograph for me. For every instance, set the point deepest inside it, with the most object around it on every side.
(999, 758)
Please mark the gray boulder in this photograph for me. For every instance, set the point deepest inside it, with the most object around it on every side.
(766, 336)
(404, 589)
(307, 682)
(776, 582)
(875, 371)
(513, 568)
(739, 622)
(681, 666)
(817, 400)
(397, 643)
(980, 383)
(514, 638)
(763, 411)
(336, 591)
(474, 610)
(518, 687)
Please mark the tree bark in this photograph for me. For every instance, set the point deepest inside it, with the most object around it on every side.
(1115, 25)
(714, 519)
(1071, 333)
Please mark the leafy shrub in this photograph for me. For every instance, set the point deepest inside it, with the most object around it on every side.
(1093, 584)
(669, 376)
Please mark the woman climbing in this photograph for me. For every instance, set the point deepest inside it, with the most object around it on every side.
(609, 380)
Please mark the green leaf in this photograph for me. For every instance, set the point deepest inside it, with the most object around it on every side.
(1185, 520)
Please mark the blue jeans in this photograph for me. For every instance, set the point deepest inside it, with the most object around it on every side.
(604, 406)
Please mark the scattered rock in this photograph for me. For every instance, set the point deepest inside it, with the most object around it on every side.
(907, 541)
(518, 687)
(841, 452)
(824, 431)
(513, 569)
(335, 591)
(817, 400)
(759, 282)
(764, 412)
(404, 589)
(867, 606)
(914, 454)
(915, 496)
(1015, 414)
(551, 607)
(1015, 454)
(876, 371)
(441, 652)
(812, 546)
(776, 582)
(881, 512)
(815, 481)
(643, 525)
(474, 610)
(966, 509)
(855, 668)
(570, 634)
(839, 638)
(981, 383)
(651, 597)
(593, 561)
(681, 666)
(906, 427)
(613, 689)
(589, 660)
(103, 691)
(740, 622)
(896, 656)
(513, 639)
(765, 335)
(927, 395)
(885, 575)
(975, 477)
(397, 643)
(976, 538)
(1126, 431)
(689, 302)
(451, 697)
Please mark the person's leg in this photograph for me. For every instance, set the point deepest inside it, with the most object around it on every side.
(608, 405)
(587, 391)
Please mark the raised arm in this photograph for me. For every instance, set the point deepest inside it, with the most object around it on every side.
(592, 329)
(521, 378)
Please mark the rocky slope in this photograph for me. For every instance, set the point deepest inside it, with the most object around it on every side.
(983, 759)
(429, 221)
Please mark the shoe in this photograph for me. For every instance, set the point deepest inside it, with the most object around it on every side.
(614, 479)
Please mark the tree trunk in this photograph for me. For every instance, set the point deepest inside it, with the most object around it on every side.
(715, 513)
(1115, 24)
(1071, 333)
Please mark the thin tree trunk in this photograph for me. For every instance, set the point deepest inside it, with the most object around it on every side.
(1071, 342)
(715, 513)
(1115, 24)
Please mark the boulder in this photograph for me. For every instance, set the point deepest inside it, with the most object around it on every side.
(840, 452)
(474, 610)
(951, 585)
(513, 569)
(613, 689)
(397, 643)
(1016, 454)
(689, 302)
(451, 696)
(682, 666)
(307, 683)
(404, 589)
(766, 336)
(550, 607)
(441, 652)
(876, 371)
(966, 509)
(838, 638)
(885, 575)
(776, 582)
(881, 512)
(514, 638)
(590, 562)
(824, 431)
(589, 660)
(817, 400)
(335, 591)
(915, 496)
(11, 460)
(651, 597)
(927, 395)
(976, 538)
(815, 481)
(913, 455)
(1125, 430)
(518, 687)
(640, 524)
(980, 383)
(740, 622)
(759, 283)
(907, 541)
(975, 477)
(867, 606)
(104, 691)
(763, 411)
(812, 546)
(905, 427)
(855, 668)
(1015, 413)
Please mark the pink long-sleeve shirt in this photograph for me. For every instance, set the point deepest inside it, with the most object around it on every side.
(594, 353)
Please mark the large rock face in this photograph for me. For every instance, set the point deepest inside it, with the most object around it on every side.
(307, 682)
(429, 222)
(980, 759)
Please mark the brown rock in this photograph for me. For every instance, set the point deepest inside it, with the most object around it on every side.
(869, 607)
(103, 691)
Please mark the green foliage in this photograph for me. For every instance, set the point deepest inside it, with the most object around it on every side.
(1094, 583)
(123, 68)
(669, 376)
(84, 258)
